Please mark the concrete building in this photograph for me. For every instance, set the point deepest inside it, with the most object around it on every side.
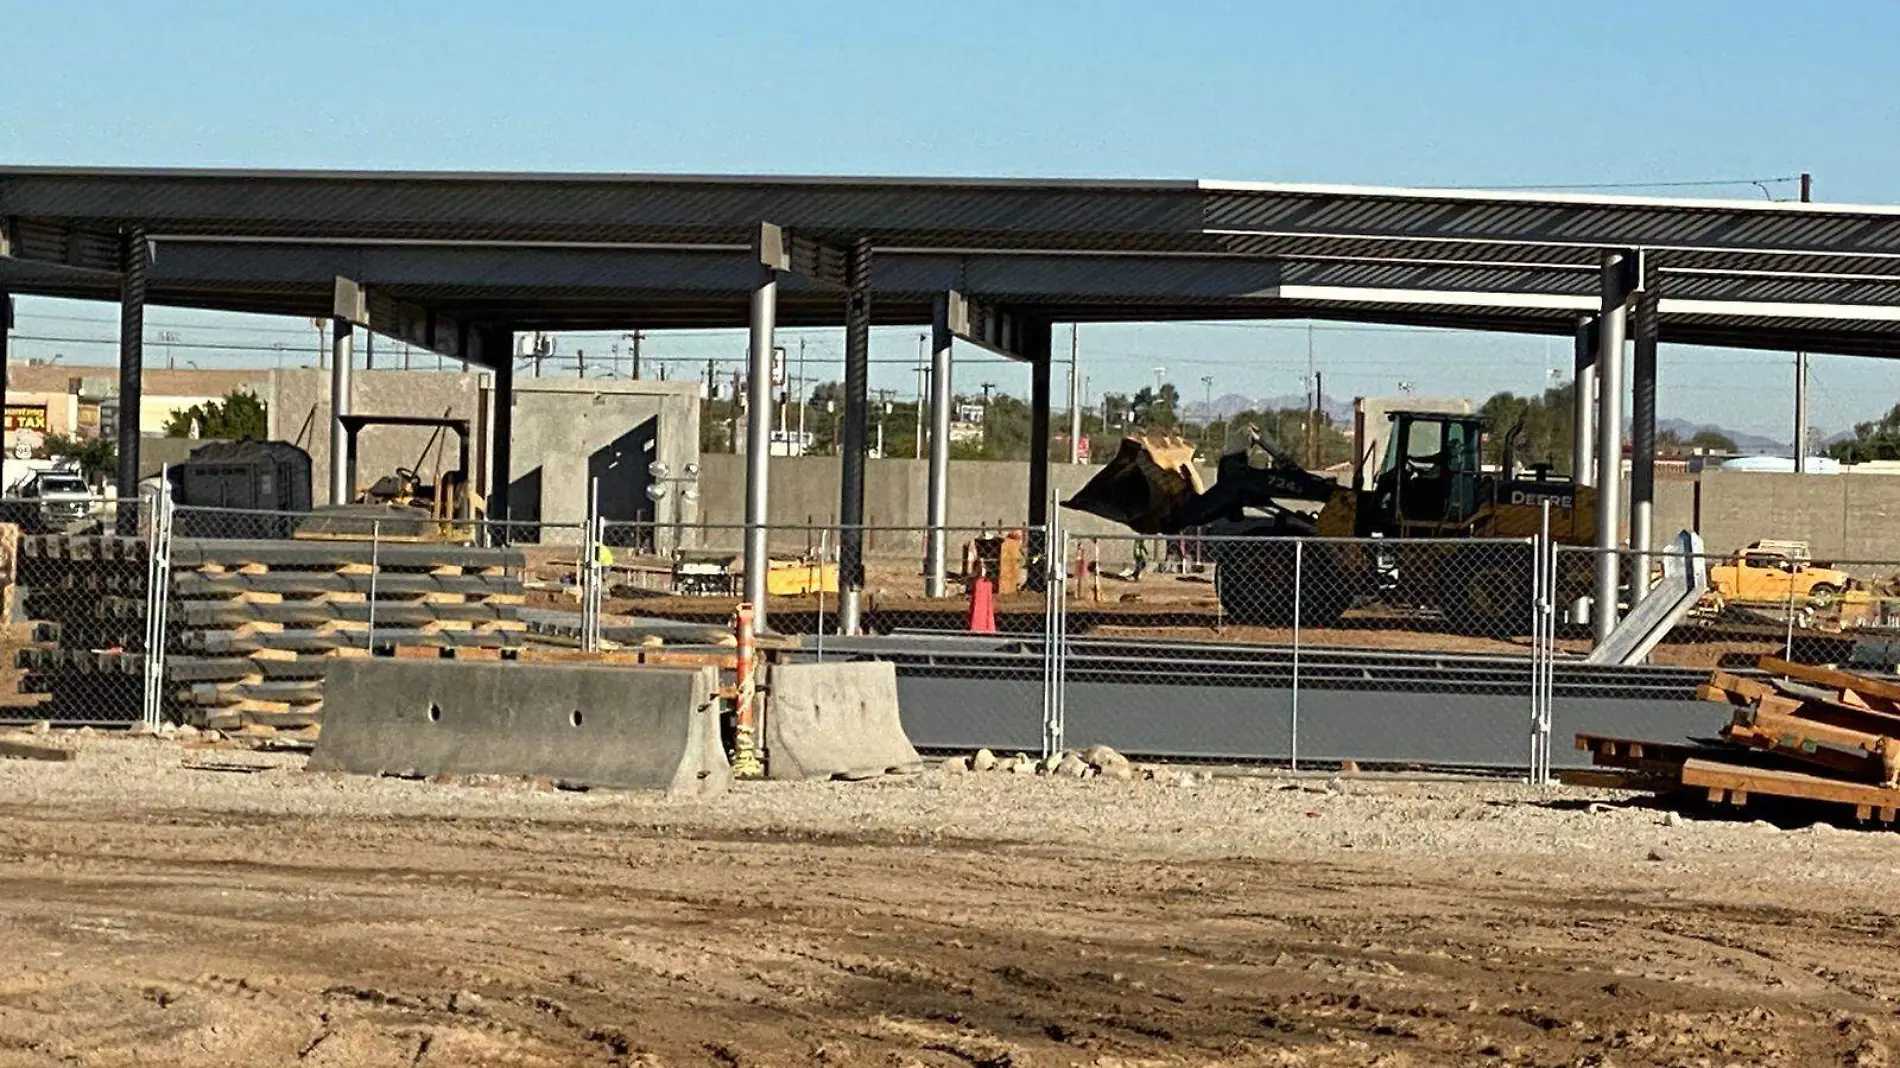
(567, 432)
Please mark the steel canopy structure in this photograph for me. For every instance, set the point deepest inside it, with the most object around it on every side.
(458, 263)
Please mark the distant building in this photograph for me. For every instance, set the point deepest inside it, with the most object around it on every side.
(790, 443)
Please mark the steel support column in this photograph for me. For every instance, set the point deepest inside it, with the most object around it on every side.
(6, 325)
(1583, 428)
(136, 260)
(937, 515)
(1643, 329)
(1801, 413)
(1036, 346)
(1610, 335)
(758, 441)
(857, 388)
(498, 344)
(342, 336)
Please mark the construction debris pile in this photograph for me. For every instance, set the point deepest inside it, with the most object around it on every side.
(1803, 733)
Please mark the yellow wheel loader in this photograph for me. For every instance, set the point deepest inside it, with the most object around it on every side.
(1430, 484)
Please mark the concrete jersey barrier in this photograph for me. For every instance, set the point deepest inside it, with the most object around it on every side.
(836, 720)
(579, 724)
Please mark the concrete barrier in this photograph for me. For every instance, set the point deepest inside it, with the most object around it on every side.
(826, 721)
(582, 725)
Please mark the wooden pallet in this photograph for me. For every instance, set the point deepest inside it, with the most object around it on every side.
(1732, 784)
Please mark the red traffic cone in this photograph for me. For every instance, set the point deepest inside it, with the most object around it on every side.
(983, 605)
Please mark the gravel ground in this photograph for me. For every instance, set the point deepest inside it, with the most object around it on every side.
(168, 905)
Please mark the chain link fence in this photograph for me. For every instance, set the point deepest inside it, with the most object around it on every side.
(991, 641)
(1211, 648)
(1308, 652)
(78, 574)
(255, 605)
(1771, 599)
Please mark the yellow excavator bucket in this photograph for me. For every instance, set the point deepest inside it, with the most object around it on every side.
(1143, 486)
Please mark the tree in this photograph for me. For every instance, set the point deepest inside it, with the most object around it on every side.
(1155, 409)
(239, 416)
(1712, 441)
(1546, 422)
(96, 457)
(1877, 440)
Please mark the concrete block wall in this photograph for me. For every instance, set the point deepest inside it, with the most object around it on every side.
(299, 412)
(896, 498)
(1843, 517)
(569, 432)
(566, 432)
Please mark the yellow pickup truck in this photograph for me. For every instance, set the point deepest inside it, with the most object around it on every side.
(1777, 573)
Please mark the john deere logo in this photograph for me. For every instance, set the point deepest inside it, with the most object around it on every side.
(1557, 500)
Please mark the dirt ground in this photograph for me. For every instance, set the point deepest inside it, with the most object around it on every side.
(167, 906)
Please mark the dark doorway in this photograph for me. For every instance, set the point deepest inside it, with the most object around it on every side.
(620, 466)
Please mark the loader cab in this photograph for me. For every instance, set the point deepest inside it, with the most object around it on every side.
(1428, 479)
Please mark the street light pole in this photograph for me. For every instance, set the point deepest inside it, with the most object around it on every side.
(1075, 393)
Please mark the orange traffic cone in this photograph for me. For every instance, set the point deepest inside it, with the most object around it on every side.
(983, 605)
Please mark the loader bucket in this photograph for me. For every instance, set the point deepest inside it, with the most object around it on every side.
(1144, 487)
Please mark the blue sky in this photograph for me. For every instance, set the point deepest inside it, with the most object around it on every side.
(1425, 93)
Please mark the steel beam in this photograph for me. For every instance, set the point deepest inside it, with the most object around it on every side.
(941, 402)
(990, 326)
(135, 264)
(1611, 330)
(342, 357)
(6, 325)
(758, 440)
(1583, 428)
(1037, 346)
(1642, 436)
(499, 342)
(854, 440)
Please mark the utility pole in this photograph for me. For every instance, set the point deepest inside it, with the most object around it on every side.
(1311, 452)
(633, 347)
(803, 441)
(1075, 393)
(732, 422)
(1801, 374)
(1319, 417)
(923, 347)
(369, 350)
(1207, 410)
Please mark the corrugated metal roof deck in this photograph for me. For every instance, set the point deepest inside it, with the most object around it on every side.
(553, 251)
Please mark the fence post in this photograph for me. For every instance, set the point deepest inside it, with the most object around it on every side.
(1061, 587)
(1787, 644)
(1293, 701)
(157, 602)
(592, 539)
(824, 556)
(375, 565)
(1543, 645)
